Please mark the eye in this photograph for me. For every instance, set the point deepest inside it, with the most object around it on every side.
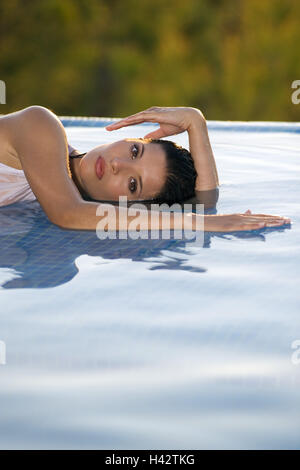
(132, 185)
(134, 151)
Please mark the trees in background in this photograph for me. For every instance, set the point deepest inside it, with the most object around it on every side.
(234, 59)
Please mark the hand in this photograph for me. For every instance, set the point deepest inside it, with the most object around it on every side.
(172, 120)
(246, 221)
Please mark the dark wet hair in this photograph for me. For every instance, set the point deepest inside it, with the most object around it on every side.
(181, 173)
(181, 176)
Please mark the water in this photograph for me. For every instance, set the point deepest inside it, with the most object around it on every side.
(124, 344)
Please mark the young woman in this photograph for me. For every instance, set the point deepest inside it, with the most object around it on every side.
(35, 156)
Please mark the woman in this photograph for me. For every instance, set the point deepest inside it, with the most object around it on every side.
(33, 140)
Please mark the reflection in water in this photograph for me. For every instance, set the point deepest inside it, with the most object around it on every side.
(125, 356)
(41, 254)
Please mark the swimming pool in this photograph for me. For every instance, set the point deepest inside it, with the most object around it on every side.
(131, 344)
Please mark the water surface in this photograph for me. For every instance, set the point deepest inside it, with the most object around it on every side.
(131, 344)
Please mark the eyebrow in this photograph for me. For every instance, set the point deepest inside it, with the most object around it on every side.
(140, 179)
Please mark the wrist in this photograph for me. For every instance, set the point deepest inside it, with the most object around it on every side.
(194, 221)
(197, 119)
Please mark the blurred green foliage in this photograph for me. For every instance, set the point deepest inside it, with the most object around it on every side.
(233, 59)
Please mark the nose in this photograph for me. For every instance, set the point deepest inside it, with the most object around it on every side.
(118, 165)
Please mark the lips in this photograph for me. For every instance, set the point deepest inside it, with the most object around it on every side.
(100, 167)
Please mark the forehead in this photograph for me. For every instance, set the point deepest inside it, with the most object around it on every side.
(152, 168)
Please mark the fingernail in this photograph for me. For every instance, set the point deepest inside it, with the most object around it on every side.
(271, 224)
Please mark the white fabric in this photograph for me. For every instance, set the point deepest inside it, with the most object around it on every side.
(14, 186)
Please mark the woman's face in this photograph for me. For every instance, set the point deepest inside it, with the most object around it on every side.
(135, 168)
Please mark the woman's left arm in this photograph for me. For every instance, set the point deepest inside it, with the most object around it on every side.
(202, 154)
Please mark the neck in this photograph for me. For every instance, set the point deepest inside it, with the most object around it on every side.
(74, 163)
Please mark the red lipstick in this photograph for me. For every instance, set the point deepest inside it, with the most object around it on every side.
(100, 167)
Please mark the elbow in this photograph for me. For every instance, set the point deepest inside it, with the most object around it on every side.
(60, 224)
(215, 197)
(62, 219)
(209, 197)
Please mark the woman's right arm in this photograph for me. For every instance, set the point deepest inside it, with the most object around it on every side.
(118, 218)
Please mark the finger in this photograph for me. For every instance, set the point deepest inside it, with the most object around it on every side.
(123, 120)
(119, 124)
(275, 223)
(138, 118)
(148, 110)
(155, 134)
(270, 220)
(243, 227)
(141, 114)
(130, 121)
(266, 219)
(270, 215)
(113, 125)
(142, 118)
(253, 225)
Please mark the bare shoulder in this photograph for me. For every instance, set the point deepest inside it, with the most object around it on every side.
(29, 112)
(22, 128)
(39, 140)
(32, 113)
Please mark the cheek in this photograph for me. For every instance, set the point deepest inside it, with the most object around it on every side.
(87, 169)
(115, 187)
(111, 189)
(155, 186)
